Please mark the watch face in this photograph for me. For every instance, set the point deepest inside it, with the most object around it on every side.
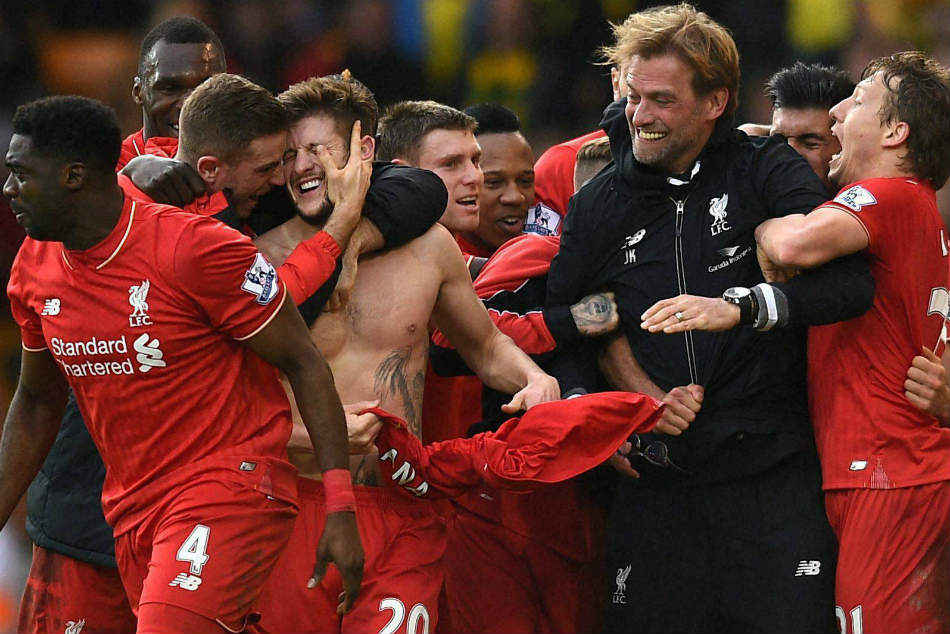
(736, 293)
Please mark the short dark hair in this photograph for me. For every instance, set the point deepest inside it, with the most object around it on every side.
(224, 115)
(342, 97)
(493, 118)
(404, 124)
(75, 129)
(181, 29)
(808, 86)
(920, 97)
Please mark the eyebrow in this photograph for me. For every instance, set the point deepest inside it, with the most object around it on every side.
(805, 136)
(653, 94)
(269, 166)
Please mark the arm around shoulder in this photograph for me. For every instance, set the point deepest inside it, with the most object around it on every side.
(403, 202)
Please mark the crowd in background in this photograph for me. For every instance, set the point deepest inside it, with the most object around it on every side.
(535, 56)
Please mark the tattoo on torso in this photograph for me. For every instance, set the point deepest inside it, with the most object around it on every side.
(392, 379)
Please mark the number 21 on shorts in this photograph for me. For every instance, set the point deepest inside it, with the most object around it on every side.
(857, 620)
(194, 549)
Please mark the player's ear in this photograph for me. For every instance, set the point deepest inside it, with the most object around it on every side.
(367, 147)
(716, 102)
(137, 90)
(73, 176)
(210, 169)
(896, 134)
(399, 161)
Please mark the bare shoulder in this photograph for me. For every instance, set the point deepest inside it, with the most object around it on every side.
(436, 244)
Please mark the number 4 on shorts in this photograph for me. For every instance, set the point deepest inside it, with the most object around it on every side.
(194, 548)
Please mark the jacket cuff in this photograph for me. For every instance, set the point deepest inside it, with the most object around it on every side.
(561, 324)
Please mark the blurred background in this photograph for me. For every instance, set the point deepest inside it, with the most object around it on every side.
(536, 56)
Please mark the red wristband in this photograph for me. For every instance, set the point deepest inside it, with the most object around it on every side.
(338, 488)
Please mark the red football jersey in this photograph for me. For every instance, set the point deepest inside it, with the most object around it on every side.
(554, 173)
(132, 146)
(868, 434)
(146, 326)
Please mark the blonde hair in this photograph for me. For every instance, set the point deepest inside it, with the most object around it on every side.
(681, 30)
(591, 158)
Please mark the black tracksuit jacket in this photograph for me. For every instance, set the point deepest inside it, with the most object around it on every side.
(647, 236)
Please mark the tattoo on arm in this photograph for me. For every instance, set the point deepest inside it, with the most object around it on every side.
(391, 380)
(595, 314)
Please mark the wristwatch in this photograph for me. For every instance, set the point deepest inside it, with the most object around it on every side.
(745, 300)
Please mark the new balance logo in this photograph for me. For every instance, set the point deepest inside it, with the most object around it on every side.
(186, 581)
(51, 307)
(629, 253)
(808, 568)
(149, 355)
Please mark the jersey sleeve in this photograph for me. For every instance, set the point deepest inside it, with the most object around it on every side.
(873, 203)
(309, 266)
(221, 270)
(554, 177)
(31, 330)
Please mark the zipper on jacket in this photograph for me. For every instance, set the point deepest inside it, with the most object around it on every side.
(681, 285)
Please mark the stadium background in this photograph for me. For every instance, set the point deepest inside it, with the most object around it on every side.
(536, 56)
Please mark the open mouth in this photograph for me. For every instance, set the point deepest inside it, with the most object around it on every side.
(307, 186)
(174, 127)
(511, 224)
(469, 203)
(649, 135)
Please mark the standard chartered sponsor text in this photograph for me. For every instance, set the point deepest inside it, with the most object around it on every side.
(98, 347)
(97, 368)
(89, 347)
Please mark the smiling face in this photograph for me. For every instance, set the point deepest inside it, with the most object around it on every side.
(172, 72)
(455, 156)
(808, 131)
(858, 128)
(508, 165)
(669, 123)
(303, 172)
(253, 173)
(36, 193)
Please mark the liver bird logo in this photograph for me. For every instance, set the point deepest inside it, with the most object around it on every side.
(622, 574)
(137, 299)
(717, 208)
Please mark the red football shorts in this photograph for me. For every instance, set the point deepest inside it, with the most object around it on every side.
(894, 558)
(403, 544)
(210, 545)
(62, 592)
(499, 581)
